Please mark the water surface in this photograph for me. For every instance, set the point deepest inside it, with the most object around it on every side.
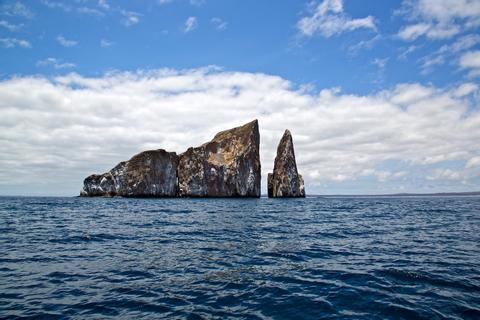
(313, 258)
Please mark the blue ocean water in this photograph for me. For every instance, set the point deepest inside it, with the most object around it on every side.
(313, 258)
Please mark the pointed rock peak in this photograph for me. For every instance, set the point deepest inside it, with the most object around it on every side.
(243, 132)
(227, 166)
(285, 180)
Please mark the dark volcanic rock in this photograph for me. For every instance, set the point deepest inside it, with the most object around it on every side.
(285, 180)
(147, 174)
(227, 166)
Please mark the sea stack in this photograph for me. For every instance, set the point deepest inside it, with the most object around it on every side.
(285, 180)
(227, 166)
(147, 174)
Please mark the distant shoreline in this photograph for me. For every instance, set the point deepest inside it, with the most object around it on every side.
(437, 194)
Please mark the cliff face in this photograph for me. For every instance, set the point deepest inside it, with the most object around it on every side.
(147, 174)
(285, 180)
(227, 166)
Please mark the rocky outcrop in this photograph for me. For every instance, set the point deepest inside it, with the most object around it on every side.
(147, 174)
(227, 166)
(285, 180)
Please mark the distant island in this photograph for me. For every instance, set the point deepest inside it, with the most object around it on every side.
(437, 194)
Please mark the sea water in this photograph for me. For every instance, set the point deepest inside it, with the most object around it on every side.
(313, 258)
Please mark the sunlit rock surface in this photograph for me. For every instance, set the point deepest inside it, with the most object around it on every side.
(227, 166)
(147, 174)
(285, 181)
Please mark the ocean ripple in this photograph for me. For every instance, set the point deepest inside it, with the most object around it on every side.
(313, 258)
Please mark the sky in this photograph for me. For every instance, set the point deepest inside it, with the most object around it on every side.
(380, 96)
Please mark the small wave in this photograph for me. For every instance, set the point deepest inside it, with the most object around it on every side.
(428, 279)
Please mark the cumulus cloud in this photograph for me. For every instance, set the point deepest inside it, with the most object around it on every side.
(438, 19)
(56, 131)
(66, 42)
(190, 24)
(17, 9)
(471, 60)
(14, 42)
(103, 4)
(9, 26)
(130, 18)
(329, 19)
(55, 63)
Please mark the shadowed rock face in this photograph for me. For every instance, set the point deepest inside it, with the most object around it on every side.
(147, 174)
(227, 166)
(285, 180)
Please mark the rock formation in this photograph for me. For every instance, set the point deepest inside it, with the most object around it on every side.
(227, 166)
(285, 180)
(147, 174)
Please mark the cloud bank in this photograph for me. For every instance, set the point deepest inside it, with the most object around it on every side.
(55, 131)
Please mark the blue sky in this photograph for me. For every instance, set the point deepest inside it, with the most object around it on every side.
(358, 64)
(251, 36)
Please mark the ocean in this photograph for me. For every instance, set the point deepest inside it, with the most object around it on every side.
(312, 258)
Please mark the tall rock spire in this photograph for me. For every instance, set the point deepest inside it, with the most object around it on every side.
(285, 180)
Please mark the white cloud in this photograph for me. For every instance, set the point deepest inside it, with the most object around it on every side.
(9, 26)
(197, 2)
(91, 11)
(447, 51)
(219, 23)
(190, 24)
(54, 132)
(104, 43)
(130, 18)
(55, 63)
(364, 44)
(16, 8)
(465, 89)
(406, 52)
(438, 19)
(13, 42)
(57, 5)
(414, 31)
(66, 42)
(328, 19)
(473, 162)
(103, 4)
(471, 60)
(380, 63)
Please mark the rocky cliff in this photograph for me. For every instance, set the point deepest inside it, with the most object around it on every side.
(285, 180)
(227, 166)
(147, 174)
